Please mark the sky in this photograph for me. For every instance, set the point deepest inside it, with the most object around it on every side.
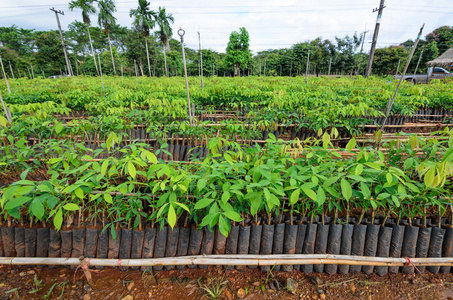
(271, 24)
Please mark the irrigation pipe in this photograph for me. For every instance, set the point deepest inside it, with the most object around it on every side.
(235, 260)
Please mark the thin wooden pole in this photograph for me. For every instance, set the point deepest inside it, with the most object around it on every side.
(398, 68)
(136, 72)
(391, 101)
(8, 116)
(100, 71)
(12, 73)
(4, 75)
(181, 33)
(418, 62)
(330, 64)
(84, 265)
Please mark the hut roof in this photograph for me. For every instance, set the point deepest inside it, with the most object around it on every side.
(445, 60)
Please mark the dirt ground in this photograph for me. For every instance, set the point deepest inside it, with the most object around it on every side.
(215, 283)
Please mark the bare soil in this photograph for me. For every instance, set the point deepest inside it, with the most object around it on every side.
(63, 283)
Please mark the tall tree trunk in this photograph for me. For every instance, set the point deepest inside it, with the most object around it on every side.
(147, 56)
(165, 60)
(111, 53)
(168, 45)
(92, 50)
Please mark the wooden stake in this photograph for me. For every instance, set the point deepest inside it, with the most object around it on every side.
(4, 75)
(84, 266)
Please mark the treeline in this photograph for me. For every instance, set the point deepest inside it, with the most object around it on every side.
(31, 51)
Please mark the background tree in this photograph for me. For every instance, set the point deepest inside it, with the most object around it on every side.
(144, 21)
(107, 21)
(87, 9)
(165, 32)
(50, 56)
(238, 54)
(345, 58)
(163, 20)
(386, 60)
(443, 36)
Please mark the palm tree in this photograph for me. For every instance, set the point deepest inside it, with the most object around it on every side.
(107, 21)
(144, 21)
(87, 9)
(163, 20)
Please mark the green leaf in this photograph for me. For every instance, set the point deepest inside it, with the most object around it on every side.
(37, 209)
(58, 219)
(389, 177)
(16, 202)
(71, 207)
(201, 184)
(321, 196)
(151, 157)
(412, 187)
(3, 121)
(224, 226)
(228, 158)
(108, 198)
(359, 169)
(310, 193)
(408, 163)
(351, 144)
(131, 169)
(171, 216)
(346, 189)
(396, 200)
(183, 206)
(232, 215)
(58, 128)
(365, 190)
(105, 165)
(294, 197)
(429, 177)
(79, 193)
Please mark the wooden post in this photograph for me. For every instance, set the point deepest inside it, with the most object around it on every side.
(398, 68)
(181, 33)
(77, 67)
(136, 72)
(100, 71)
(390, 102)
(330, 64)
(418, 63)
(12, 73)
(308, 67)
(147, 56)
(83, 264)
(8, 115)
(4, 75)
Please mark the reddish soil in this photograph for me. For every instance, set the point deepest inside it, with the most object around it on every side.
(58, 283)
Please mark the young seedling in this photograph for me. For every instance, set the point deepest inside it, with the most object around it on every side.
(38, 285)
(215, 288)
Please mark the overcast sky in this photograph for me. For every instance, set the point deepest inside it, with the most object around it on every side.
(271, 24)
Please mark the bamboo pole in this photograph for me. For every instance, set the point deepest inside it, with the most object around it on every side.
(235, 260)
(392, 100)
(4, 76)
